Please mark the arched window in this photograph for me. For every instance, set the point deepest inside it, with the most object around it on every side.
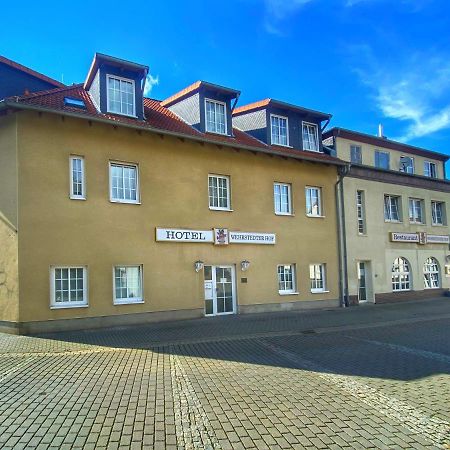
(431, 276)
(401, 277)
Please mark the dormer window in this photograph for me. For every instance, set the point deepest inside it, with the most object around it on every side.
(310, 137)
(120, 96)
(279, 130)
(216, 118)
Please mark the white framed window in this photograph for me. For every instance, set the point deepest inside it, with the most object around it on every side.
(120, 95)
(406, 164)
(279, 130)
(361, 211)
(416, 210)
(429, 169)
(216, 116)
(355, 154)
(286, 279)
(282, 199)
(310, 137)
(313, 201)
(127, 281)
(77, 178)
(68, 286)
(124, 182)
(317, 277)
(382, 160)
(392, 208)
(219, 192)
(438, 213)
(431, 275)
(401, 276)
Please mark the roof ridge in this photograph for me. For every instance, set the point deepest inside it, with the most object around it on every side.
(30, 71)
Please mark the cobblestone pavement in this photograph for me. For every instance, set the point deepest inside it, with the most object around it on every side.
(367, 377)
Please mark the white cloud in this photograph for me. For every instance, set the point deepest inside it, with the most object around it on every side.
(415, 91)
(150, 81)
(276, 11)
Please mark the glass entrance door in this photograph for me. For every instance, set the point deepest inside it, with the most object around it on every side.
(362, 282)
(220, 295)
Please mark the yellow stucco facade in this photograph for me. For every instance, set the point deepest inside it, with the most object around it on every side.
(54, 230)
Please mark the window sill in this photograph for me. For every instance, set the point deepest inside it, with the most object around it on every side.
(320, 292)
(310, 150)
(131, 116)
(438, 224)
(392, 221)
(315, 216)
(77, 198)
(285, 214)
(220, 209)
(363, 235)
(124, 202)
(128, 302)
(65, 306)
(288, 293)
(431, 288)
(217, 133)
(417, 223)
(282, 145)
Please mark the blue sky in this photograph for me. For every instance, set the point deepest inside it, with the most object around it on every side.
(364, 61)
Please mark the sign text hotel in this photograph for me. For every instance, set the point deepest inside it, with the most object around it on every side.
(218, 236)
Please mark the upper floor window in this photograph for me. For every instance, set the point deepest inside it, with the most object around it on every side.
(68, 287)
(429, 169)
(310, 137)
(124, 183)
(360, 212)
(282, 198)
(381, 159)
(219, 192)
(416, 210)
(438, 213)
(216, 118)
(355, 154)
(279, 130)
(406, 164)
(77, 182)
(313, 201)
(120, 96)
(392, 208)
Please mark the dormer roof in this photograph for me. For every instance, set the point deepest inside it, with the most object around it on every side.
(31, 72)
(194, 87)
(281, 105)
(100, 58)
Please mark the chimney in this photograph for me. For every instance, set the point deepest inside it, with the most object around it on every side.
(381, 131)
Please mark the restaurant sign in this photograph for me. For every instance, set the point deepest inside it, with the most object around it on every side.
(218, 236)
(420, 238)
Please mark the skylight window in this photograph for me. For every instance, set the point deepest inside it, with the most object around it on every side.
(74, 102)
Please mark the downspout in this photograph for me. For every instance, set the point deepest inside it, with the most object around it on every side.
(342, 243)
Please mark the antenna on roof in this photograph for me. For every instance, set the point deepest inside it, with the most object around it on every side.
(62, 78)
(381, 131)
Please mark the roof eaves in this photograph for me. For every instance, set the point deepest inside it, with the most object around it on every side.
(268, 150)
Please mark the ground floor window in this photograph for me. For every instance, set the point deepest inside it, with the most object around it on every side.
(286, 278)
(401, 276)
(317, 277)
(68, 286)
(431, 273)
(128, 284)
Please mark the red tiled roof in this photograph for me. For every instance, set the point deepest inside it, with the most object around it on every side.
(251, 106)
(29, 71)
(157, 117)
(183, 92)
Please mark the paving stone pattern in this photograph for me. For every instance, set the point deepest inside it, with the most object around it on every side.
(372, 377)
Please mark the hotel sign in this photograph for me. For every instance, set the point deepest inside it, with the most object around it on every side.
(218, 236)
(420, 238)
(180, 235)
(242, 237)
